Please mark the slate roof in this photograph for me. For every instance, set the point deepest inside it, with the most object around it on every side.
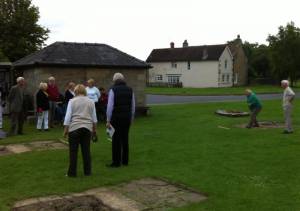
(80, 54)
(192, 53)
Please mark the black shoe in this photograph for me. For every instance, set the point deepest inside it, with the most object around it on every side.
(248, 126)
(46, 130)
(20, 133)
(112, 165)
(125, 164)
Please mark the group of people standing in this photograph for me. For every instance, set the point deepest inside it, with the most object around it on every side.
(255, 106)
(82, 107)
(51, 105)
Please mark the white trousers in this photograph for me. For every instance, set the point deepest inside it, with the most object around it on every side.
(42, 120)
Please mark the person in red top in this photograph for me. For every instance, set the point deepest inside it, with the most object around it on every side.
(103, 103)
(53, 94)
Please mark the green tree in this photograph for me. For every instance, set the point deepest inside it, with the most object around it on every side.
(258, 60)
(20, 33)
(285, 52)
(3, 58)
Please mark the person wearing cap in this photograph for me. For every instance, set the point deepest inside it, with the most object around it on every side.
(80, 124)
(287, 104)
(120, 114)
(16, 107)
(255, 107)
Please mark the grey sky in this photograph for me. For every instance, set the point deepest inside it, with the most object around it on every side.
(138, 26)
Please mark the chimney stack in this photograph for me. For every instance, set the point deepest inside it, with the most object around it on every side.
(172, 44)
(185, 44)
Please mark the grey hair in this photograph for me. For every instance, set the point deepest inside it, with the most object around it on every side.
(51, 78)
(285, 82)
(118, 76)
(20, 79)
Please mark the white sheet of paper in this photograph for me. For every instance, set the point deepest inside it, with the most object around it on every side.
(110, 132)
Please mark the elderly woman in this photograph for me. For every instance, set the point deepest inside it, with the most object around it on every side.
(254, 106)
(42, 105)
(93, 93)
(80, 122)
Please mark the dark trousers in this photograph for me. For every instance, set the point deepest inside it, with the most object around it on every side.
(17, 120)
(253, 121)
(120, 147)
(82, 137)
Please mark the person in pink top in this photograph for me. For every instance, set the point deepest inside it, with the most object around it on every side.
(53, 94)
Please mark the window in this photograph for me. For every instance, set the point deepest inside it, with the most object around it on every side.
(227, 78)
(188, 65)
(158, 78)
(223, 77)
(174, 65)
(173, 79)
(225, 65)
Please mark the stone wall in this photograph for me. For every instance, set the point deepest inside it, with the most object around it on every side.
(136, 78)
(240, 65)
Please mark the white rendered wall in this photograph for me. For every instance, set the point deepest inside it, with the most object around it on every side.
(228, 70)
(201, 74)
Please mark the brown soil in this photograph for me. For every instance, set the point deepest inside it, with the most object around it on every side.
(265, 125)
(4, 151)
(144, 194)
(82, 203)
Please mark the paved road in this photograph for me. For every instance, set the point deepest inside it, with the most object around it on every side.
(167, 99)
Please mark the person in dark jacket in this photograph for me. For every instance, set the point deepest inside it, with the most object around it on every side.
(254, 106)
(16, 107)
(42, 105)
(120, 114)
(103, 104)
(69, 93)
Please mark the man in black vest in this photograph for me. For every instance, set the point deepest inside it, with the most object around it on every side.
(120, 114)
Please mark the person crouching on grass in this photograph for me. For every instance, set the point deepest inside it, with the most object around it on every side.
(80, 122)
(42, 105)
(255, 107)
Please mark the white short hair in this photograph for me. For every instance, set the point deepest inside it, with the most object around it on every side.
(285, 82)
(118, 76)
(51, 78)
(19, 79)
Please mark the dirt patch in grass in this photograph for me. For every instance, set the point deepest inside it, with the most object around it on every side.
(81, 203)
(32, 146)
(265, 125)
(143, 194)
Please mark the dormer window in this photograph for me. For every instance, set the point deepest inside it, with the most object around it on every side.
(173, 64)
(225, 65)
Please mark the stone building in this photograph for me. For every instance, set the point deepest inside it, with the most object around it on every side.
(79, 62)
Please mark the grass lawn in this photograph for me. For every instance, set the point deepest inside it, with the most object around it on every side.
(238, 169)
(259, 89)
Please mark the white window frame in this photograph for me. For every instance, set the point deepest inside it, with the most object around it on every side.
(173, 79)
(158, 77)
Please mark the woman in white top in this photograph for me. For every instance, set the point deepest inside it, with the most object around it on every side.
(80, 122)
(92, 92)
